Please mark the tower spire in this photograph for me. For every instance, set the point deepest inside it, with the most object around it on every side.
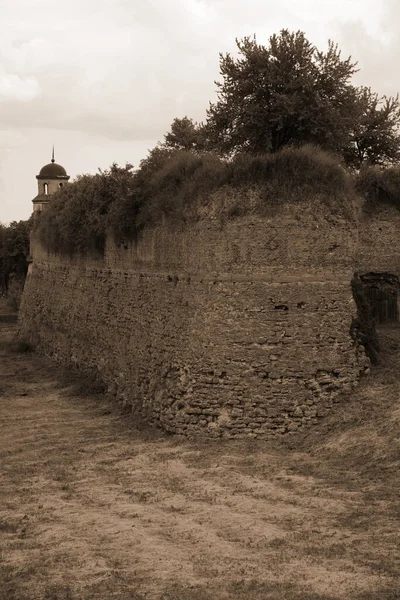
(52, 156)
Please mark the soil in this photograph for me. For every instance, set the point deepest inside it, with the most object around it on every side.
(94, 507)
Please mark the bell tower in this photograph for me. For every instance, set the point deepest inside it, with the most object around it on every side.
(51, 178)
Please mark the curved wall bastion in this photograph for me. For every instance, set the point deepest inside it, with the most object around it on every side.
(235, 329)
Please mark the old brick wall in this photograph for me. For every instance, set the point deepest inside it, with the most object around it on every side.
(238, 328)
(378, 249)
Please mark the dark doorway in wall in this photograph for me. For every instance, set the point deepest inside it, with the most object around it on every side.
(377, 299)
(362, 328)
(382, 293)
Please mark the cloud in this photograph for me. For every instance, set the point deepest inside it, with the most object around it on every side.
(132, 64)
(375, 45)
(16, 88)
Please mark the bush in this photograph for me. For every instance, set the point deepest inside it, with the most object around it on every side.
(294, 174)
(175, 189)
(379, 186)
(177, 185)
(14, 253)
(14, 293)
(77, 220)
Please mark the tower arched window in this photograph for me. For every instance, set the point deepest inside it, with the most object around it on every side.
(60, 185)
(46, 188)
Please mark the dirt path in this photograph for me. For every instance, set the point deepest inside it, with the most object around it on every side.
(91, 508)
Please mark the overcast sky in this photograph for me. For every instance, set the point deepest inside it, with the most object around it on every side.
(103, 79)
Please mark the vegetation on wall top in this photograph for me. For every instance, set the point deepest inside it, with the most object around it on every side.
(379, 186)
(79, 215)
(179, 185)
(289, 93)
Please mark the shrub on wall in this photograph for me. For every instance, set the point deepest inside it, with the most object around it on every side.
(174, 190)
(78, 217)
(176, 185)
(294, 174)
(379, 186)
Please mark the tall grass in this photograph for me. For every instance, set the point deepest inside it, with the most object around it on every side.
(177, 185)
(379, 185)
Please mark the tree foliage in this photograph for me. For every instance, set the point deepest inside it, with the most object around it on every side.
(290, 93)
(79, 214)
(281, 94)
(14, 252)
(375, 136)
(182, 186)
(186, 134)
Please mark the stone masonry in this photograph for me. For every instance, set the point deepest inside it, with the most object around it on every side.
(235, 329)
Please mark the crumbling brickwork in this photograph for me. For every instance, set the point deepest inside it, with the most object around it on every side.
(235, 329)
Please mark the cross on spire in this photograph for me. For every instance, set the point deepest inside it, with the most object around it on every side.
(52, 156)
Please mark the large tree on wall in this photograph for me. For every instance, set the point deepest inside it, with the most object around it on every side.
(289, 93)
(374, 136)
(285, 93)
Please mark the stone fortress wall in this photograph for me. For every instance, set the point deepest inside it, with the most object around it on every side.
(235, 329)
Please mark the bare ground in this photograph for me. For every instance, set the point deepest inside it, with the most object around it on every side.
(93, 508)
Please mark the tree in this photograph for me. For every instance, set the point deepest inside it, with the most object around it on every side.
(185, 134)
(375, 136)
(290, 93)
(78, 216)
(14, 251)
(286, 93)
(154, 160)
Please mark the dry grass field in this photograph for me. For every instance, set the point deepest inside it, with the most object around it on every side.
(92, 508)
